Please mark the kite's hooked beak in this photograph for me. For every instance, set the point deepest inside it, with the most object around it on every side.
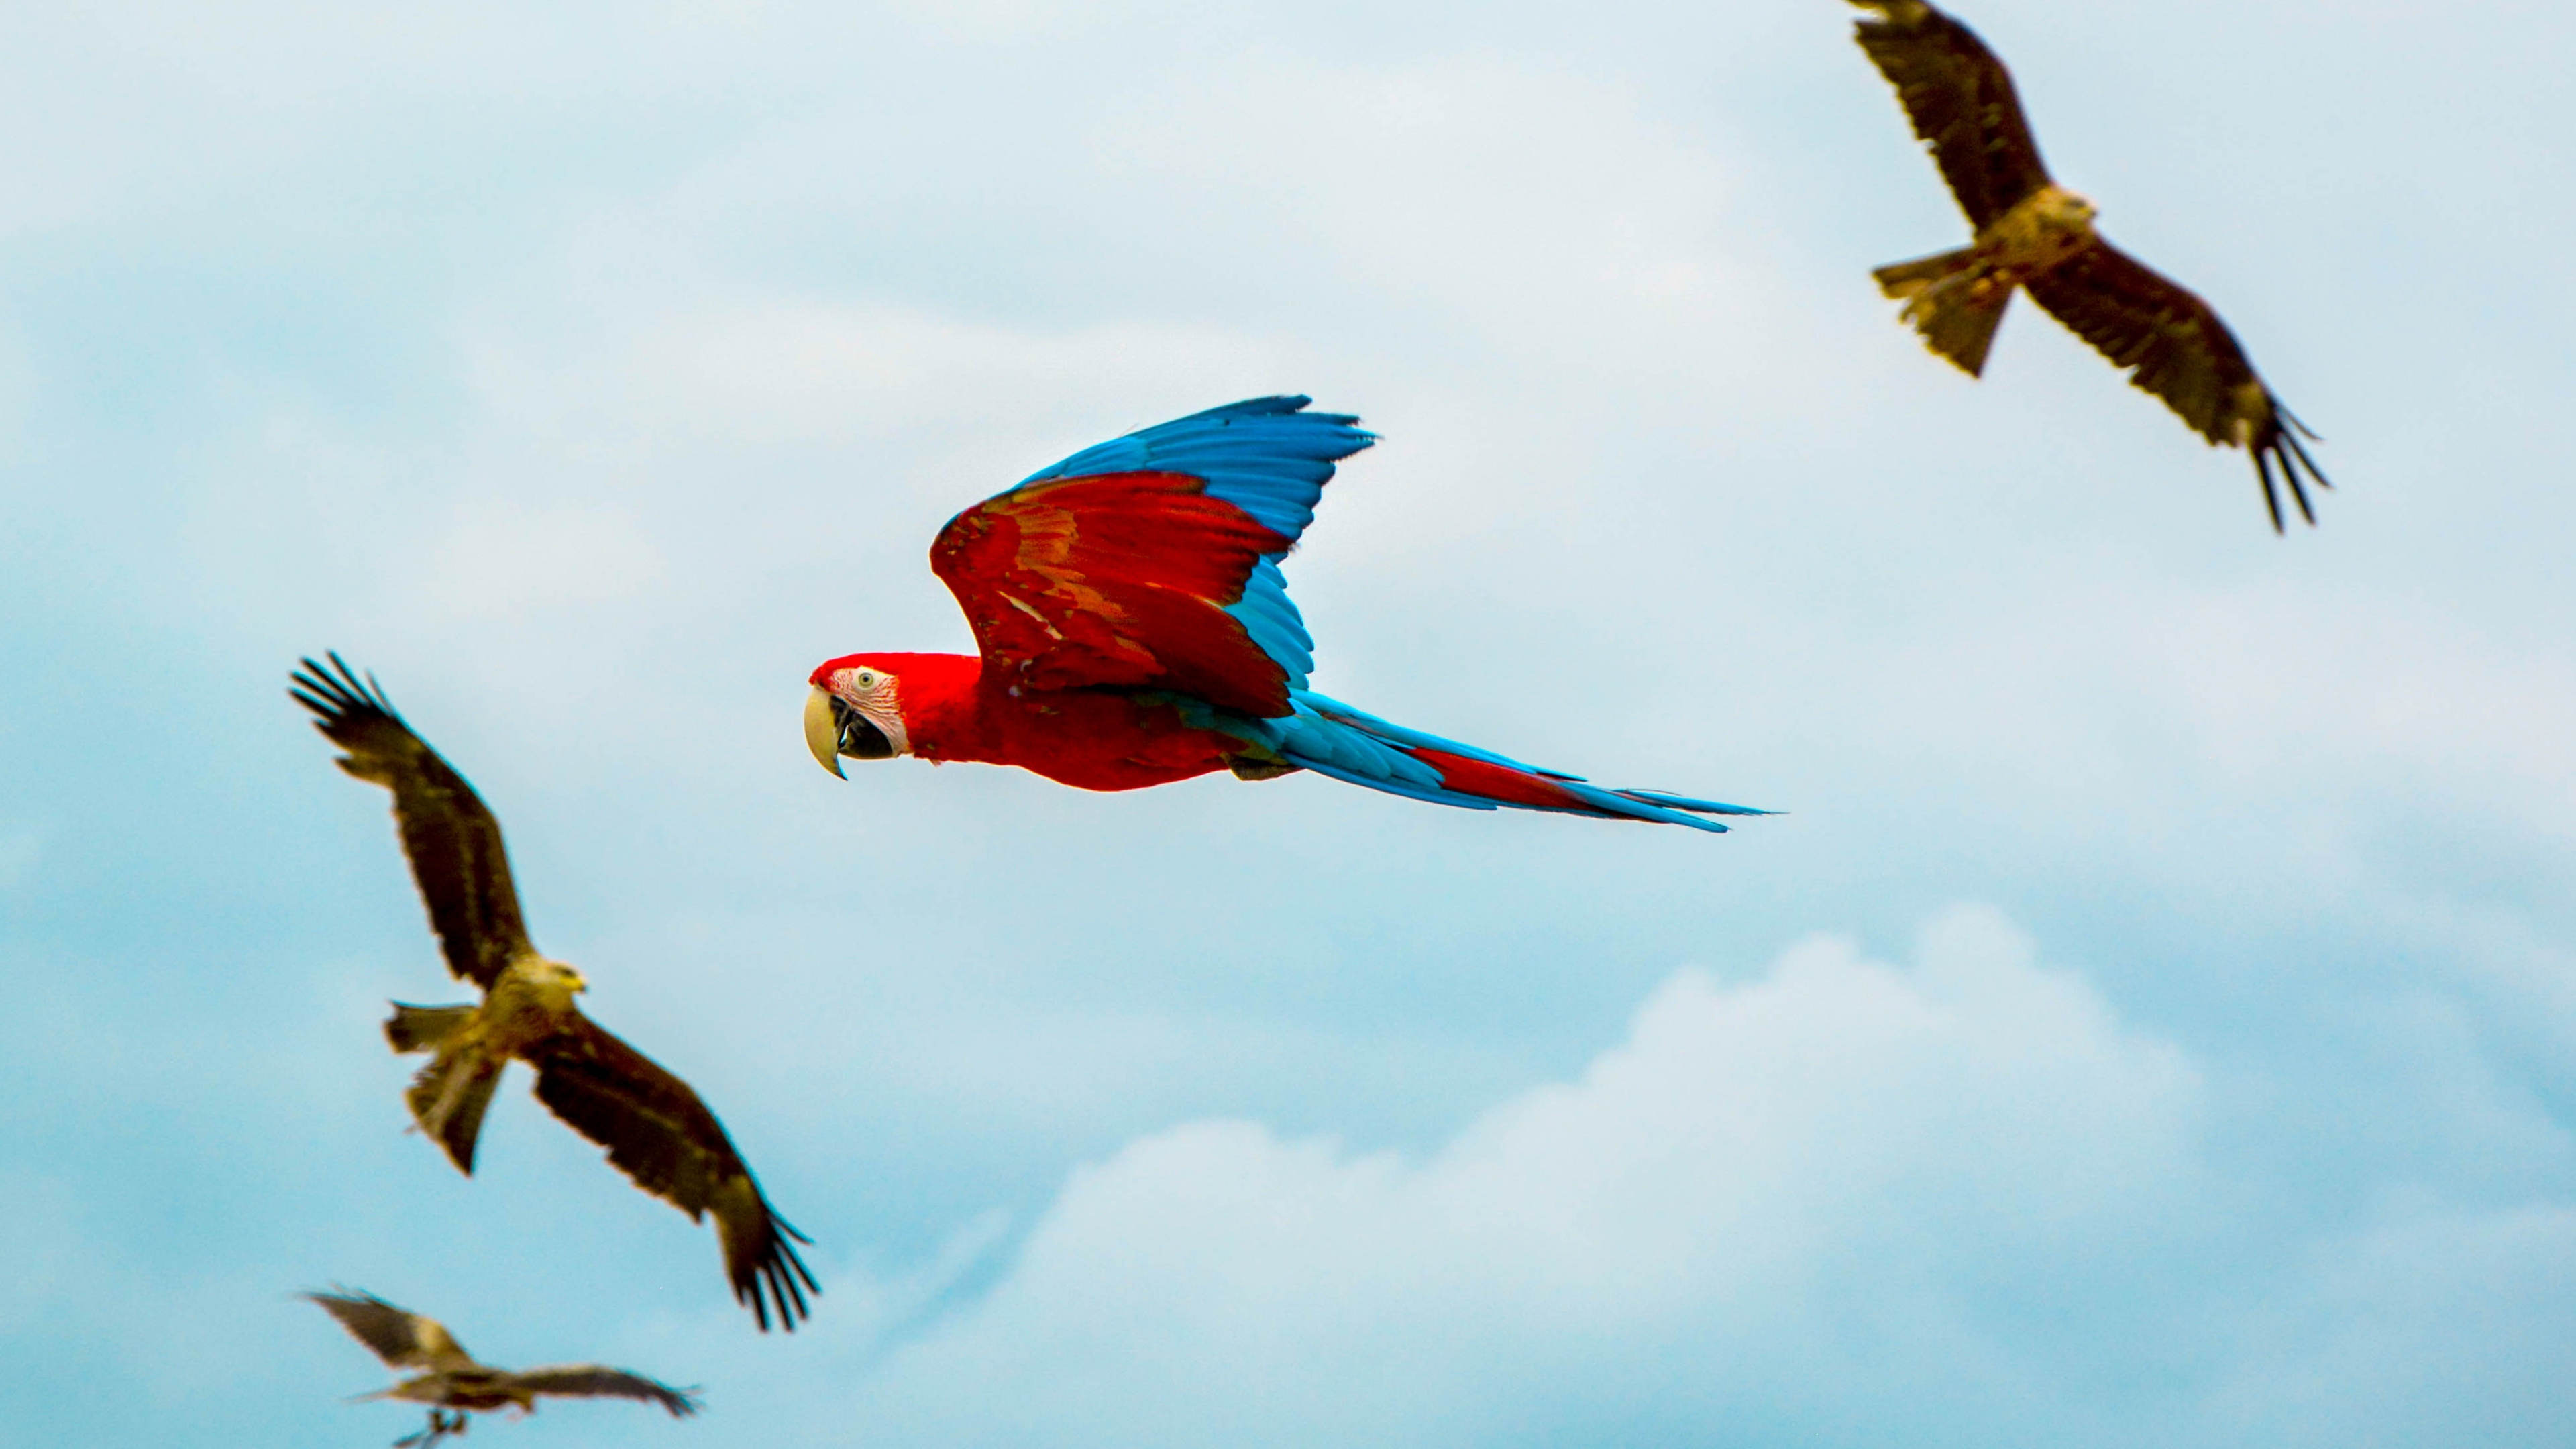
(823, 729)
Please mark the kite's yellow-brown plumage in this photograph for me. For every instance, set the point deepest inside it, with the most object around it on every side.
(655, 1128)
(453, 1385)
(2033, 235)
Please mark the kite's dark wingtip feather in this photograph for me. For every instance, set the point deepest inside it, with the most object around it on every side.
(774, 1283)
(787, 1280)
(335, 692)
(2298, 489)
(2282, 447)
(342, 689)
(792, 1259)
(2271, 490)
(786, 1227)
(2299, 451)
(313, 687)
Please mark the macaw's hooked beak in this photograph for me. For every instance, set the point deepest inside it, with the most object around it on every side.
(823, 729)
(833, 729)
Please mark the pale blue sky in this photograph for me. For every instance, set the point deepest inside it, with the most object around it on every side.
(2153, 1024)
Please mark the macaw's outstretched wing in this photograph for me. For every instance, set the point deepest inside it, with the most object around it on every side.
(593, 1381)
(2174, 345)
(658, 1133)
(1333, 739)
(401, 1338)
(448, 834)
(1152, 562)
(1960, 99)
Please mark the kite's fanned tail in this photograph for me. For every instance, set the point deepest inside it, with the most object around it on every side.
(449, 1096)
(1952, 301)
(421, 1028)
(1336, 740)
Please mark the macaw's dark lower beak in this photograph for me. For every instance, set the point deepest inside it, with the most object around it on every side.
(861, 739)
(833, 729)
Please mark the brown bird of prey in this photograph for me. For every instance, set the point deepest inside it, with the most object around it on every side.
(454, 1385)
(2036, 235)
(655, 1128)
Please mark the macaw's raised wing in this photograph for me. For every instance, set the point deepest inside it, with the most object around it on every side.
(2174, 345)
(1152, 562)
(1960, 99)
(658, 1133)
(402, 1339)
(597, 1381)
(448, 834)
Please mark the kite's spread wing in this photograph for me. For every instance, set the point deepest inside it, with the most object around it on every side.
(1152, 562)
(591, 1381)
(2173, 345)
(402, 1339)
(1960, 99)
(658, 1133)
(448, 833)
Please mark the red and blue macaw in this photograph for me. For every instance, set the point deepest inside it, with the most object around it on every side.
(1135, 630)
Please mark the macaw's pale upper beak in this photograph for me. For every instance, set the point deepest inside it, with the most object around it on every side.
(823, 729)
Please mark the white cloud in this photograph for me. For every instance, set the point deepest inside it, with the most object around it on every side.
(1956, 1201)
(1838, 1166)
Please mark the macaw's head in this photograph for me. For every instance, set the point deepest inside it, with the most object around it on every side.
(855, 709)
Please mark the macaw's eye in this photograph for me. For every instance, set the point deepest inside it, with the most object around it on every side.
(867, 679)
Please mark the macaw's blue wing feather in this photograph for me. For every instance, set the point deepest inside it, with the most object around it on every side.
(1152, 561)
(1333, 739)
(1271, 618)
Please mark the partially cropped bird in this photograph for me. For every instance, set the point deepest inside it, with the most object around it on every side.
(2035, 235)
(454, 1385)
(654, 1127)
(1135, 629)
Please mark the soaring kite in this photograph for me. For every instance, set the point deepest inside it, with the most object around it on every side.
(655, 1129)
(1135, 630)
(2036, 235)
(454, 1385)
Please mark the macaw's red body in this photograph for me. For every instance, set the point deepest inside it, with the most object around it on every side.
(1135, 630)
(1089, 738)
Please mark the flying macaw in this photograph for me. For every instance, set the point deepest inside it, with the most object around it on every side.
(1135, 630)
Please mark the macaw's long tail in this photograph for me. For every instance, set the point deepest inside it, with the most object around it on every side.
(1331, 738)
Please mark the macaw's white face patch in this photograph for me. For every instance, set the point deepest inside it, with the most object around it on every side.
(865, 721)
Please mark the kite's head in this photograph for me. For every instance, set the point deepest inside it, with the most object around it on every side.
(854, 710)
(2069, 210)
(555, 979)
